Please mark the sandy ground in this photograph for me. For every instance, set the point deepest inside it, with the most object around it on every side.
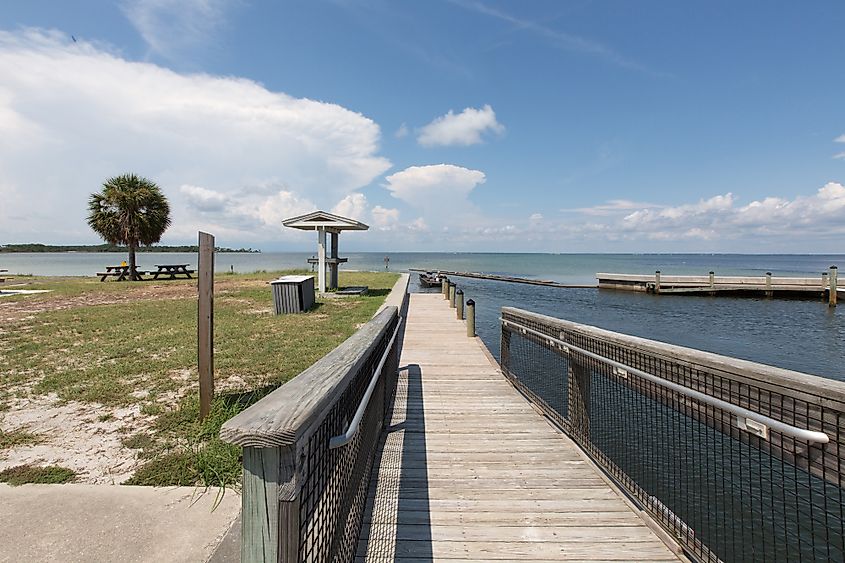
(73, 434)
(74, 437)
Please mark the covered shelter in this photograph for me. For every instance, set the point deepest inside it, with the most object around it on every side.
(323, 223)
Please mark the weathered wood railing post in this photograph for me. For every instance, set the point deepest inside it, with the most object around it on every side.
(205, 322)
(579, 399)
(276, 435)
(270, 505)
(452, 288)
(471, 318)
(657, 281)
(712, 280)
(832, 281)
(444, 286)
(459, 304)
(769, 292)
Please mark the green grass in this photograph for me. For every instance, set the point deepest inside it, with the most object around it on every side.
(23, 474)
(17, 438)
(105, 353)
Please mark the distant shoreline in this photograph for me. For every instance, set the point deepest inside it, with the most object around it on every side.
(37, 247)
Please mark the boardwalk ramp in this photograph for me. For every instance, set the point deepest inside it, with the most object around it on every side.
(469, 471)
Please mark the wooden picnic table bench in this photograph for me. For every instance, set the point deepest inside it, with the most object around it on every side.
(120, 272)
(2, 271)
(173, 271)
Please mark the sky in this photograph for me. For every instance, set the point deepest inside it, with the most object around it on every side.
(446, 125)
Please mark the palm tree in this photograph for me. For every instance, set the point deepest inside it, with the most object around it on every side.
(130, 210)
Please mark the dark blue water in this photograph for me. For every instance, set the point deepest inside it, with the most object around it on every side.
(806, 336)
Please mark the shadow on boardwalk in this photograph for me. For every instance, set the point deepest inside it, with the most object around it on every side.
(398, 503)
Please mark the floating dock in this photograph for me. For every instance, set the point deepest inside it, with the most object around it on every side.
(511, 279)
(822, 287)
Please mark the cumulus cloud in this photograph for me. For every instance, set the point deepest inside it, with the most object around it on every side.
(353, 206)
(385, 218)
(821, 214)
(169, 27)
(80, 114)
(427, 187)
(402, 132)
(465, 128)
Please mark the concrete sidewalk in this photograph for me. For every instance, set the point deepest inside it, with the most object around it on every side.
(112, 523)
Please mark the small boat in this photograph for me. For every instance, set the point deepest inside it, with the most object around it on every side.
(430, 279)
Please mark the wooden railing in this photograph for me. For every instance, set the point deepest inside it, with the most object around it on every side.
(303, 500)
(738, 460)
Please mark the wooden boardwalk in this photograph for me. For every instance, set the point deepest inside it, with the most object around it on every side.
(469, 471)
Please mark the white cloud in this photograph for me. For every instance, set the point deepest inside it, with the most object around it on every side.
(839, 156)
(171, 26)
(436, 186)
(822, 213)
(536, 217)
(839, 139)
(353, 206)
(79, 114)
(384, 218)
(402, 132)
(465, 128)
(614, 206)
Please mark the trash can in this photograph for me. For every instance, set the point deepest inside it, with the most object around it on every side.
(293, 294)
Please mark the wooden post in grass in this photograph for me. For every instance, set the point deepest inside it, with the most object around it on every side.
(205, 322)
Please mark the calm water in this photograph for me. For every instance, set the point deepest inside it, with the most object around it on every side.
(805, 336)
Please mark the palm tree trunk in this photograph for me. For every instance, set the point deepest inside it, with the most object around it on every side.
(132, 275)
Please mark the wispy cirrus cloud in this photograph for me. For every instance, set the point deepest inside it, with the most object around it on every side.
(170, 27)
(465, 128)
(841, 155)
(613, 207)
(558, 39)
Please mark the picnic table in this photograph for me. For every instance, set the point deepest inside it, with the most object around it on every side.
(120, 272)
(2, 270)
(172, 270)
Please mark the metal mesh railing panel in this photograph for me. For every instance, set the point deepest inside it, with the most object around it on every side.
(722, 491)
(334, 482)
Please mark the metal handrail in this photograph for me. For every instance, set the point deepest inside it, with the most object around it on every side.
(782, 427)
(343, 439)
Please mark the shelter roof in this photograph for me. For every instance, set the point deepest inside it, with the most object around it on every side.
(316, 219)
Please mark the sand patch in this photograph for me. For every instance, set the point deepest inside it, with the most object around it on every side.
(75, 436)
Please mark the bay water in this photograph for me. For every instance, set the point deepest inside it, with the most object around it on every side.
(806, 336)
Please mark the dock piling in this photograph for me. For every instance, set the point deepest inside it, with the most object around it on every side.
(769, 292)
(452, 287)
(832, 283)
(459, 304)
(444, 287)
(657, 281)
(470, 318)
(712, 280)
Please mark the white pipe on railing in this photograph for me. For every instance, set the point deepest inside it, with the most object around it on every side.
(782, 427)
(345, 438)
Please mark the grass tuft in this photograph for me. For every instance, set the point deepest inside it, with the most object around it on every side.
(17, 438)
(49, 475)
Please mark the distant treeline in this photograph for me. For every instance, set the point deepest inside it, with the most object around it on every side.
(34, 247)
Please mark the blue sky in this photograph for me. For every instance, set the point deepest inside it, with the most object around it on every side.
(446, 125)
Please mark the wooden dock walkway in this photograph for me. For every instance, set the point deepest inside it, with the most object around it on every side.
(822, 287)
(469, 471)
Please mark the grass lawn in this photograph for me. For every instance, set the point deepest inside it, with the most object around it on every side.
(119, 344)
